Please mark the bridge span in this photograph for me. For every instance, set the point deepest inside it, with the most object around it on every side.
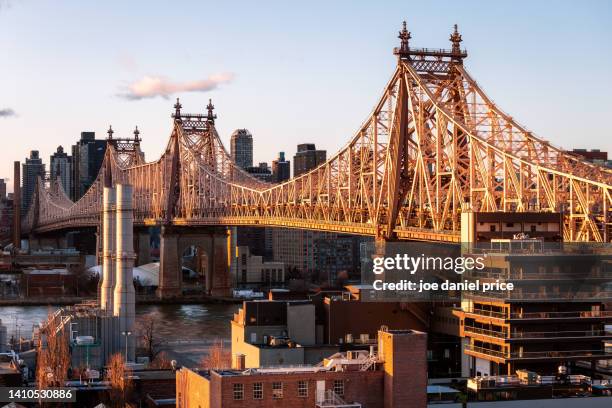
(435, 146)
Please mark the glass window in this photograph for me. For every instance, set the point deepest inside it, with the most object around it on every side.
(277, 390)
(257, 390)
(238, 391)
(339, 388)
(302, 388)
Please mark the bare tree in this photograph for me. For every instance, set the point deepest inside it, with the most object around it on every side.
(149, 340)
(53, 358)
(119, 381)
(218, 357)
(161, 361)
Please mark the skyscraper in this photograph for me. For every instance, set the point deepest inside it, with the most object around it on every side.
(281, 168)
(241, 147)
(2, 189)
(87, 157)
(31, 170)
(61, 169)
(307, 158)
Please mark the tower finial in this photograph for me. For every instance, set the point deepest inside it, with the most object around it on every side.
(110, 132)
(455, 39)
(177, 109)
(136, 135)
(404, 36)
(210, 117)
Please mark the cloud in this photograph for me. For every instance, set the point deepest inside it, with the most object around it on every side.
(7, 113)
(150, 87)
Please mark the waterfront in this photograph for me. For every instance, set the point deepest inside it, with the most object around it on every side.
(187, 330)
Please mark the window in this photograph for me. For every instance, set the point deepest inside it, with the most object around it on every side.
(492, 228)
(302, 388)
(238, 391)
(339, 388)
(257, 390)
(277, 390)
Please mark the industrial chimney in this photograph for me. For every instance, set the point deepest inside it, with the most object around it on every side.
(108, 250)
(123, 295)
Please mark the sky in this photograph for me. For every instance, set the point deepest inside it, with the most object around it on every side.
(290, 72)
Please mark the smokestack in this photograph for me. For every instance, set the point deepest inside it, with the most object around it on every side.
(123, 295)
(108, 250)
(16, 205)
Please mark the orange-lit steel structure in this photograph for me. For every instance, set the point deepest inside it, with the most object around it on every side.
(434, 145)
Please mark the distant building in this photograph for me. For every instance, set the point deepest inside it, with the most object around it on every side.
(241, 146)
(61, 169)
(307, 158)
(2, 189)
(251, 271)
(6, 220)
(262, 172)
(87, 157)
(595, 156)
(351, 380)
(319, 256)
(281, 169)
(30, 171)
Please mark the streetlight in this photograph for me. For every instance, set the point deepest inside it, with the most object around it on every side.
(126, 334)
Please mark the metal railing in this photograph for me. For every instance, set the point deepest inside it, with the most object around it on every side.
(537, 354)
(537, 335)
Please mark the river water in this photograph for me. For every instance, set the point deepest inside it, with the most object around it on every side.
(186, 330)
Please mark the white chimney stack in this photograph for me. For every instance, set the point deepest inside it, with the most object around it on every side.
(108, 250)
(124, 296)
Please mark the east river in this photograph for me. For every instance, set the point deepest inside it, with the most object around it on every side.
(186, 330)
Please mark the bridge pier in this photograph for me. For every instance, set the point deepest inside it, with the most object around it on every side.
(173, 243)
(142, 245)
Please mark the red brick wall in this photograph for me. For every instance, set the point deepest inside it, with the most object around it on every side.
(359, 386)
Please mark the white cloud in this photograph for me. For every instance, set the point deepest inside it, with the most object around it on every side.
(7, 112)
(150, 87)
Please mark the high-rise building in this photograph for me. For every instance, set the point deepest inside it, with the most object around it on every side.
(281, 169)
(87, 158)
(2, 189)
(241, 147)
(61, 169)
(307, 158)
(31, 170)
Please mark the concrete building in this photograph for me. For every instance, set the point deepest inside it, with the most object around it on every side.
(318, 256)
(2, 189)
(32, 169)
(595, 156)
(281, 168)
(272, 332)
(61, 169)
(241, 148)
(251, 271)
(261, 172)
(555, 314)
(394, 377)
(87, 157)
(307, 158)
(6, 220)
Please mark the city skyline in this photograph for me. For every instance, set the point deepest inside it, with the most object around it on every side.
(296, 77)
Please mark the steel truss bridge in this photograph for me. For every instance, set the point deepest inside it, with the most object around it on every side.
(434, 145)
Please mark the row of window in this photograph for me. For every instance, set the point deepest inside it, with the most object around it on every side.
(277, 389)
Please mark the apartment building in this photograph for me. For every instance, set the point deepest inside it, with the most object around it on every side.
(396, 376)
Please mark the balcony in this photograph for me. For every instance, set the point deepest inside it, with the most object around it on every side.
(536, 355)
(573, 334)
(581, 314)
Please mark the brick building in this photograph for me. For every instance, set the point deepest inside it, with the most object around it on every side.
(396, 376)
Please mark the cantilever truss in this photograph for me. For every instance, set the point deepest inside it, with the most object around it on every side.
(434, 145)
